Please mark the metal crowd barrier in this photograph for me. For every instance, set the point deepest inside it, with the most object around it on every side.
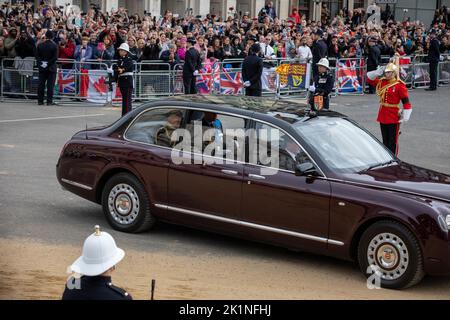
(20, 77)
(444, 71)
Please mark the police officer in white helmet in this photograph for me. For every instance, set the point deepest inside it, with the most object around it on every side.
(323, 83)
(92, 271)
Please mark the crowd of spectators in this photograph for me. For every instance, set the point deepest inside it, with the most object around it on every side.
(95, 35)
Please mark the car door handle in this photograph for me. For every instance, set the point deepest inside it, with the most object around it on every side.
(256, 176)
(230, 172)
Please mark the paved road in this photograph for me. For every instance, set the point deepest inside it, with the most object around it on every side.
(33, 206)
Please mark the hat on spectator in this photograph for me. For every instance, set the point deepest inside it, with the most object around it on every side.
(124, 46)
(191, 40)
(49, 34)
(319, 32)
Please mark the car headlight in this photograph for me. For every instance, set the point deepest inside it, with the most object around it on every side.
(444, 222)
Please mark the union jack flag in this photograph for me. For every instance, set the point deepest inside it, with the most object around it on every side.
(347, 75)
(66, 81)
(230, 82)
(207, 78)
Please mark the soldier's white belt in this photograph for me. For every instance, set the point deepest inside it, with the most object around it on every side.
(126, 74)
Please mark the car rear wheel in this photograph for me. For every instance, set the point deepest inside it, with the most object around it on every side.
(126, 204)
(390, 256)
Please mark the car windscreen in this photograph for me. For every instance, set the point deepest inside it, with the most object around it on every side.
(343, 146)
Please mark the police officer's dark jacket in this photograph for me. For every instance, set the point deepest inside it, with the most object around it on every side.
(192, 62)
(324, 83)
(47, 51)
(252, 68)
(433, 52)
(95, 288)
(127, 63)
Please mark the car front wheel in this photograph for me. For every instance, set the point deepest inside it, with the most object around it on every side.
(390, 256)
(126, 204)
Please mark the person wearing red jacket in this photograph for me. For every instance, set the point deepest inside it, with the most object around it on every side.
(66, 50)
(391, 91)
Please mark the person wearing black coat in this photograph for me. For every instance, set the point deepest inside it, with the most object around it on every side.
(192, 63)
(319, 50)
(373, 58)
(123, 72)
(433, 60)
(46, 57)
(252, 69)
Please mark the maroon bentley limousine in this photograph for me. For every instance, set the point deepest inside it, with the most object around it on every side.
(275, 173)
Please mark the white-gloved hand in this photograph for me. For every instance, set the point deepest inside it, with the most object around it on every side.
(196, 73)
(441, 57)
(312, 88)
(372, 75)
(247, 83)
(406, 114)
(44, 64)
(110, 70)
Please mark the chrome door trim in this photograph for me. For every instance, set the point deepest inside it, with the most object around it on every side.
(229, 172)
(251, 225)
(256, 176)
(76, 184)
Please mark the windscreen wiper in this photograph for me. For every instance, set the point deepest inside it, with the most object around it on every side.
(380, 165)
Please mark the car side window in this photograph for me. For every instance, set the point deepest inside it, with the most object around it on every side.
(220, 133)
(156, 126)
(290, 153)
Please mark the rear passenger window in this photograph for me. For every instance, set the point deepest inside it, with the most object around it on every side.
(222, 134)
(156, 126)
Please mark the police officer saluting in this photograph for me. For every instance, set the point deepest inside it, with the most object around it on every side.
(322, 84)
(252, 69)
(46, 56)
(96, 264)
(192, 63)
(123, 73)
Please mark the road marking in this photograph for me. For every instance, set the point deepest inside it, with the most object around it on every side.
(7, 146)
(51, 118)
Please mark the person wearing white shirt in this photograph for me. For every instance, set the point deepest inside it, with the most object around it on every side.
(304, 52)
(266, 50)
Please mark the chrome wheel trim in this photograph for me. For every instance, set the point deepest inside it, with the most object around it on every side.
(389, 254)
(123, 204)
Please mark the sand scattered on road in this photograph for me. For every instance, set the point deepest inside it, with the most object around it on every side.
(33, 270)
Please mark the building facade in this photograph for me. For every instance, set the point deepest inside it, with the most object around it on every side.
(414, 9)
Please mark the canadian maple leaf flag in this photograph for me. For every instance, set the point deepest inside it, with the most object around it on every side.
(93, 86)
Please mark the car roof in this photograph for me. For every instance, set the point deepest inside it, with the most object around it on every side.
(264, 105)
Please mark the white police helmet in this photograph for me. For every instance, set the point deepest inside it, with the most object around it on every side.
(100, 253)
(324, 63)
(124, 46)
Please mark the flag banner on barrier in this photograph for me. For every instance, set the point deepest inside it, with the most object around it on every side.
(421, 73)
(405, 69)
(65, 82)
(269, 79)
(294, 75)
(348, 74)
(231, 82)
(444, 72)
(206, 79)
(94, 87)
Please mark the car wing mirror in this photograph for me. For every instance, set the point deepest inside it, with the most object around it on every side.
(305, 169)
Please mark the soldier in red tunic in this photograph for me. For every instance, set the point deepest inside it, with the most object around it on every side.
(391, 90)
